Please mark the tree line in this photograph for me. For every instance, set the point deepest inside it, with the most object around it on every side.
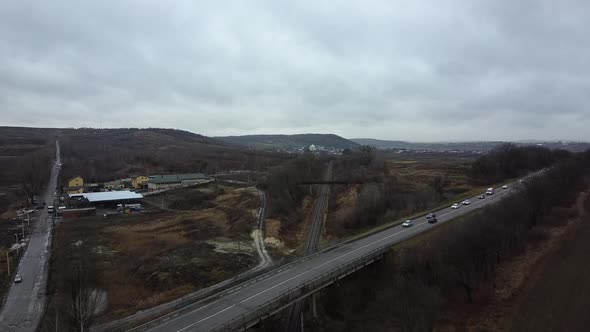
(511, 161)
(414, 287)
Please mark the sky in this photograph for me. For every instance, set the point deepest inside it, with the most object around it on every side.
(400, 70)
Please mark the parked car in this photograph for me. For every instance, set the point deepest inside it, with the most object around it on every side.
(18, 278)
(455, 206)
(407, 223)
(482, 196)
(466, 202)
(504, 187)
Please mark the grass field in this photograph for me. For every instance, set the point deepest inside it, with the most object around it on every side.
(143, 259)
(559, 300)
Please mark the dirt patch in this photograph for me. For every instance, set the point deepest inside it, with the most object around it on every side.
(273, 227)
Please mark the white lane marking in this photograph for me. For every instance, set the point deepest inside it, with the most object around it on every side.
(489, 201)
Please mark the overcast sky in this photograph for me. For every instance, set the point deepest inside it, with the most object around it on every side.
(450, 70)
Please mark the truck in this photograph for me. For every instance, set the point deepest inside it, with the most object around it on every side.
(490, 191)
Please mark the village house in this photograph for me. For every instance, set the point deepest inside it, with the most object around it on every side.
(140, 182)
(75, 185)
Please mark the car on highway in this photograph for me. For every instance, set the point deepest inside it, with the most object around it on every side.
(431, 217)
(455, 206)
(466, 202)
(407, 223)
(18, 278)
(504, 187)
(482, 196)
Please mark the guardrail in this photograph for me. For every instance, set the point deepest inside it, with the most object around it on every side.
(297, 293)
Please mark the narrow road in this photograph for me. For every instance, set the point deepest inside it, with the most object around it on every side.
(293, 315)
(258, 235)
(25, 303)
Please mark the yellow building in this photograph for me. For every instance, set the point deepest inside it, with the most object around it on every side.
(75, 190)
(76, 182)
(140, 182)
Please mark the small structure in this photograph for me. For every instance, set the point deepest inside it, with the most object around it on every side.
(76, 213)
(140, 182)
(113, 185)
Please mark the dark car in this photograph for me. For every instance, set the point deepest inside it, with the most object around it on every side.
(431, 217)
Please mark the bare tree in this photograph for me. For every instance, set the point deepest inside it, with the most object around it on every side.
(33, 173)
(85, 300)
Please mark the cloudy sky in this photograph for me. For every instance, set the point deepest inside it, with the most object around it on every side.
(447, 70)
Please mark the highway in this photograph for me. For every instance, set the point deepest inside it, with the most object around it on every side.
(226, 311)
(23, 308)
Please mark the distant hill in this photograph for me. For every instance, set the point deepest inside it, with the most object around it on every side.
(106, 154)
(465, 146)
(288, 142)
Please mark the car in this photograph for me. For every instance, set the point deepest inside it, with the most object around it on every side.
(431, 217)
(18, 278)
(407, 223)
(455, 206)
(482, 196)
(504, 187)
(466, 202)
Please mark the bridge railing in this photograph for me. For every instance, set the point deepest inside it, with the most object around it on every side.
(296, 293)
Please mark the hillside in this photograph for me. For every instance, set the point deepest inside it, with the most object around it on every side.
(465, 146)
(106, 154)
(289, 142)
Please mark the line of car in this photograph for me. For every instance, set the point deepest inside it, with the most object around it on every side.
(431, 217)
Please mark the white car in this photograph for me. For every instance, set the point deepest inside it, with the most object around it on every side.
(407, 223)
(18, 278)
(504, 187)
(455, 206)
(466, 202)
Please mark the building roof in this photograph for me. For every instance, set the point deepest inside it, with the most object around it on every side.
(75, 177)
(176, 178)
(164, 179)
(110, 196)
(192, 176)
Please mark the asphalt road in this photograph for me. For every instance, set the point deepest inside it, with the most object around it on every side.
(24, 305)
(251, 296)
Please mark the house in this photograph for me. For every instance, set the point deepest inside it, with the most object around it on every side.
(76, 181)
(140, 182)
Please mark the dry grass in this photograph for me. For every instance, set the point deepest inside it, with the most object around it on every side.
(152, 257)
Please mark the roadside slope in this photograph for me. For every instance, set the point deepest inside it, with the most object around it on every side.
(560, 298)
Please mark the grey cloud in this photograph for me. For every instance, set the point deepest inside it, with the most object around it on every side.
(449, 70)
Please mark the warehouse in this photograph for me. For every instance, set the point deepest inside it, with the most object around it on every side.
(108, 198)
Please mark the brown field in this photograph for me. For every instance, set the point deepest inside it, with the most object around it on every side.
(143, 259)
(412, 175)
(420, 171)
